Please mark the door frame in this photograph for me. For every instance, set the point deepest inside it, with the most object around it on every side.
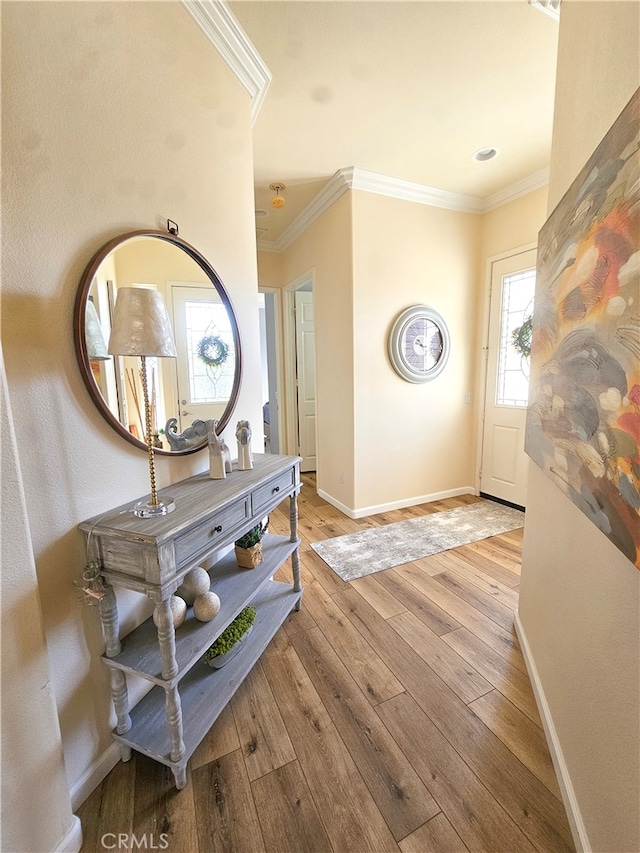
(288, 292)
(277, 315)
(482, 377)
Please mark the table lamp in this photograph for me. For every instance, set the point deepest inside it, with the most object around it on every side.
(141, 327)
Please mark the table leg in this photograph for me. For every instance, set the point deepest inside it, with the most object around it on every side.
(295, 557)
(174, 718)
(120, 699)
(166, 638)
(110, 624)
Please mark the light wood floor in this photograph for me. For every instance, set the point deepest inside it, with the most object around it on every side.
(393, 713)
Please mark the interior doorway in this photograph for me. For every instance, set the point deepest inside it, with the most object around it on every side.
(504, 464)
(270, 360)
(300, 358)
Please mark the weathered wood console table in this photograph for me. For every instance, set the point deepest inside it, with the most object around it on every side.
(151, 556)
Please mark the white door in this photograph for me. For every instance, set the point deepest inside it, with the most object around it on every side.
(504, 465)
(201, 328)
(306, 379)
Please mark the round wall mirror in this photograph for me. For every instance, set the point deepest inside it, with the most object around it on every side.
(201, 384)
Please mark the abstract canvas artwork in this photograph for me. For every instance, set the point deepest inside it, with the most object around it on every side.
(583, 421)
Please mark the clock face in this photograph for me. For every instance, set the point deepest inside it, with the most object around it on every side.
(418, 344)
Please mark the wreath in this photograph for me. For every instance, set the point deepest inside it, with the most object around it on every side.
(521, 337)
(212, 350)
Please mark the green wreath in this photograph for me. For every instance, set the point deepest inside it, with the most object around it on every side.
(213, 351)
(521, 337)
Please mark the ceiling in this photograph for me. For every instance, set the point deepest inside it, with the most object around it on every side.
(408, 90)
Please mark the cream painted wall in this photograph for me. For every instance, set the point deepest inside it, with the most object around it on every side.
(31, 743)
(513, 225)
(325, 248)
(115, 117)
(411, 440)
(579, 597)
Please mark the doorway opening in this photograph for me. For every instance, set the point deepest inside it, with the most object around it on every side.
(503, 463)
(300, 361)
(269, 303)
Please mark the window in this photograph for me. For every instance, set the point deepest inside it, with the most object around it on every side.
(208, 384)
(515, 336)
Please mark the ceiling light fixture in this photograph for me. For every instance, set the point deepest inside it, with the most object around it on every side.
(484, 154)
(278, 201)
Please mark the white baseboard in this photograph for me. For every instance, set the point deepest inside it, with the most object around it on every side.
(90, 780)
(72, 842)
(401, 504)
(578, 829)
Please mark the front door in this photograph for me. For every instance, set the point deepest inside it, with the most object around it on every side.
(504, 465)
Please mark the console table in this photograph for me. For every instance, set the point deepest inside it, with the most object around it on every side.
(152, 556)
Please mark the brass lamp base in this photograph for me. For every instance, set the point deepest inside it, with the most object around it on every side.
(146, 509)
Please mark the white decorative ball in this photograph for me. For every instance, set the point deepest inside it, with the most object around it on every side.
(194, 583)
(206, 606)
(178, 611)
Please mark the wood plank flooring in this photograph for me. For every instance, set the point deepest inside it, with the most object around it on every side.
(393, 713)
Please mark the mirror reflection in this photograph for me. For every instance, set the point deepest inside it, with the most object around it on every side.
(201, 383)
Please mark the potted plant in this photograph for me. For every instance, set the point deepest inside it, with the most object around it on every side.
(231, 640)
(249, 547)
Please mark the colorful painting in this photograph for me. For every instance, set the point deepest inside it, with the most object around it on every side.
(583, 421)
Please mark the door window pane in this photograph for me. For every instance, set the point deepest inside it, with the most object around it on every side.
(515, 337)
(208, 334)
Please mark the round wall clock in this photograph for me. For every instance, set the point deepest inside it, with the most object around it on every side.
(419, 344)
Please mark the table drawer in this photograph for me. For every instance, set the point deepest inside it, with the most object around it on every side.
(271, 491)
(209, 534)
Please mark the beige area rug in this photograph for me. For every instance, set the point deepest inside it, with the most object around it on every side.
(377, 548)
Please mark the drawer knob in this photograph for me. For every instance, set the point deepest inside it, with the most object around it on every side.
(276, 489)
(217, 529)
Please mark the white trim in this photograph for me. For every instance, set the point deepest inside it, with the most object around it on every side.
(578, 829)
(374, 510)
(336, 187)
(524, 187)
(223, 30)
(72, 841)
(409, 191)
(352, 178)
(92, 777)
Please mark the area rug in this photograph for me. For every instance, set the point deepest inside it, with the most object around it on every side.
(368, 551)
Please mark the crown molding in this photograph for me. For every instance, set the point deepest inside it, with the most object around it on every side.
(223, 30)
(352, 178)
(408, 191)
(336, 186)
(526, 185)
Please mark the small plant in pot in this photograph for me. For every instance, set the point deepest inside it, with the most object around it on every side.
(249, 547)
(230, 641)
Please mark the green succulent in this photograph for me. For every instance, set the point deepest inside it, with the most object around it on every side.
(253, 536)
(232, 633)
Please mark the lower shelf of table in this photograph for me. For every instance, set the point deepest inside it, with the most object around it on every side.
(205, 692)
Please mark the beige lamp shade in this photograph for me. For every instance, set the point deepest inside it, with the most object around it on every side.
(141, 324)
(96, 344)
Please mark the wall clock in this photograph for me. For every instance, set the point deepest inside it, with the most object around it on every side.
(418, 344)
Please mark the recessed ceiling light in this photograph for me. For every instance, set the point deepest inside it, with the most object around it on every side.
(484, 154)
(261, 212)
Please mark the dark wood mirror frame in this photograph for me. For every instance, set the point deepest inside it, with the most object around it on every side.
(79, 333)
